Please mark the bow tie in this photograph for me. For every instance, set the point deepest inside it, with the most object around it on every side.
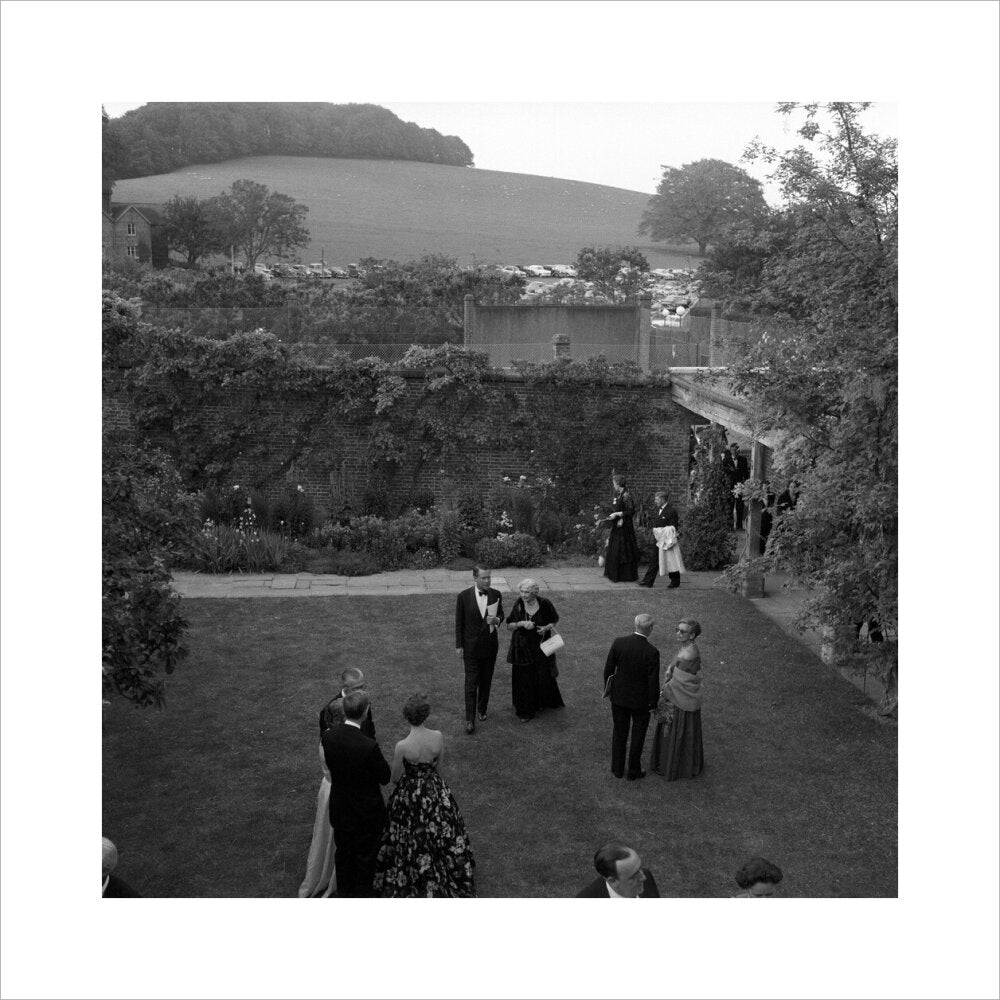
(482, 593)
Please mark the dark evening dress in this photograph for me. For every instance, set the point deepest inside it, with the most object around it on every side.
(533, 674)
(677, 748)
(425, 851)
(621, 559)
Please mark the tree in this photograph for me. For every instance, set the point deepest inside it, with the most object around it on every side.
(258, 221)
(699, 200)
(708, 534)
(190, 228)
(422, 299)
(617, 272)
(112, 155)
(819, 275)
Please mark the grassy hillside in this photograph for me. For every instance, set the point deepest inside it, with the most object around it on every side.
(399, 210)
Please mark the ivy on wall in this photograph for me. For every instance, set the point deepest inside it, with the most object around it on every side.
(243, 403)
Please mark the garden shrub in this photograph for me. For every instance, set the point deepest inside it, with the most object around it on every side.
(424, 559)
(293, 512)
(449, 535)
(509, 550)
(471, 512)
(224, 548)
(419, 529)
(375, 499)
(330, 534)
(550, 528)
(522, 511)
(421, 500)
(706, 536)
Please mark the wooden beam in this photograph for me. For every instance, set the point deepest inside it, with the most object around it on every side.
(714, 403)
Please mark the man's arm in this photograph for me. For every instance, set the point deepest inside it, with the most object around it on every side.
(654, 680)
(500, 613)
(612, 661)
(459, 625)
(382, 770)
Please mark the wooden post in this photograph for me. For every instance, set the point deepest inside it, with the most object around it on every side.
(753, 585)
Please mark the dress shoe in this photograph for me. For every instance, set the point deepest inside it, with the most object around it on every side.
(482, 716)
(635, 777)
(671, 586)
(470, 727)
(644, 585)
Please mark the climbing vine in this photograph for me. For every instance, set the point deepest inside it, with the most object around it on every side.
(245, 403)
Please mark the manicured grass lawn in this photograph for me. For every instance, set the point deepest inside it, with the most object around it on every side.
(215, 795)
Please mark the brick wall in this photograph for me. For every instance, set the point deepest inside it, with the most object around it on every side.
(336, 471)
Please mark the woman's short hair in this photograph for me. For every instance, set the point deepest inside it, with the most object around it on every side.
(416, 709)
(619, 480)
(528, 584)
(693, 626)
(758, 870)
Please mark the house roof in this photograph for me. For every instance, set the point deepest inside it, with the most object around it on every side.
(151, 213)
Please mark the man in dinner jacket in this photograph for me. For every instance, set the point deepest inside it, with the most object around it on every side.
(620, 875)
(476, 642)
(635, 666)
(357, 809)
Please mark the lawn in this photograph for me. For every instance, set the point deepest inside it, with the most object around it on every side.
(215, 795)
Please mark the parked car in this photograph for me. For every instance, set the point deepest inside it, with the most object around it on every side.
(514, 270)
(353, 271)
(662, 272)
(339, 272)
(537, 271)
(562, 270)
(534, 288)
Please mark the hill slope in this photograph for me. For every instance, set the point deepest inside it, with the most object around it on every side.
(400, 209)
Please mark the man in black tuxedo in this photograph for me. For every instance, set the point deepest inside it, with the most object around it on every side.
(357, 809)
(739, 472)
(664, 515)
(635, 665)
(476, 642)
(351, 679)
(620, 876)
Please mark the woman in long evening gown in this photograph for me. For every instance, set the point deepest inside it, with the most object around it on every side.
(533, 674)
(621, 557)
(321, 876)
(425, 851)
(677, 748)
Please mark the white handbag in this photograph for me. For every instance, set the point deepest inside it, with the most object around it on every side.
(553, 644)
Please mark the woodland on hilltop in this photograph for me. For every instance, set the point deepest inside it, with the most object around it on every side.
(160, 137)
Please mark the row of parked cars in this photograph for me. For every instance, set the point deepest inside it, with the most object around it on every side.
(540, 270)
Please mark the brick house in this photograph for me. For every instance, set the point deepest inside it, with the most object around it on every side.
(133, 232)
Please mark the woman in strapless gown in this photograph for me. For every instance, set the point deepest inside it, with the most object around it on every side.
(425, 851)
(677, 750)
(321, 876)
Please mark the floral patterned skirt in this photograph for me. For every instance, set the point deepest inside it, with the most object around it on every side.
(425, 851)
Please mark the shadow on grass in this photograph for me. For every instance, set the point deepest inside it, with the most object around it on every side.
(215, 795)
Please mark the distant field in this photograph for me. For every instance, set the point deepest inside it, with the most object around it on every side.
(399, 210)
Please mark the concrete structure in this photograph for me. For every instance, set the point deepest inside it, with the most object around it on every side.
(526, 332)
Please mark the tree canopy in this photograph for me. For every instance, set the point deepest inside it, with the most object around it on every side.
(617, 272)
(257, 220)
(191, 229)
(160, 137)
(699, 200)
(819, 276)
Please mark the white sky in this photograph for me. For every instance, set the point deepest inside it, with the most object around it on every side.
(623, 144)
(938, 60)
